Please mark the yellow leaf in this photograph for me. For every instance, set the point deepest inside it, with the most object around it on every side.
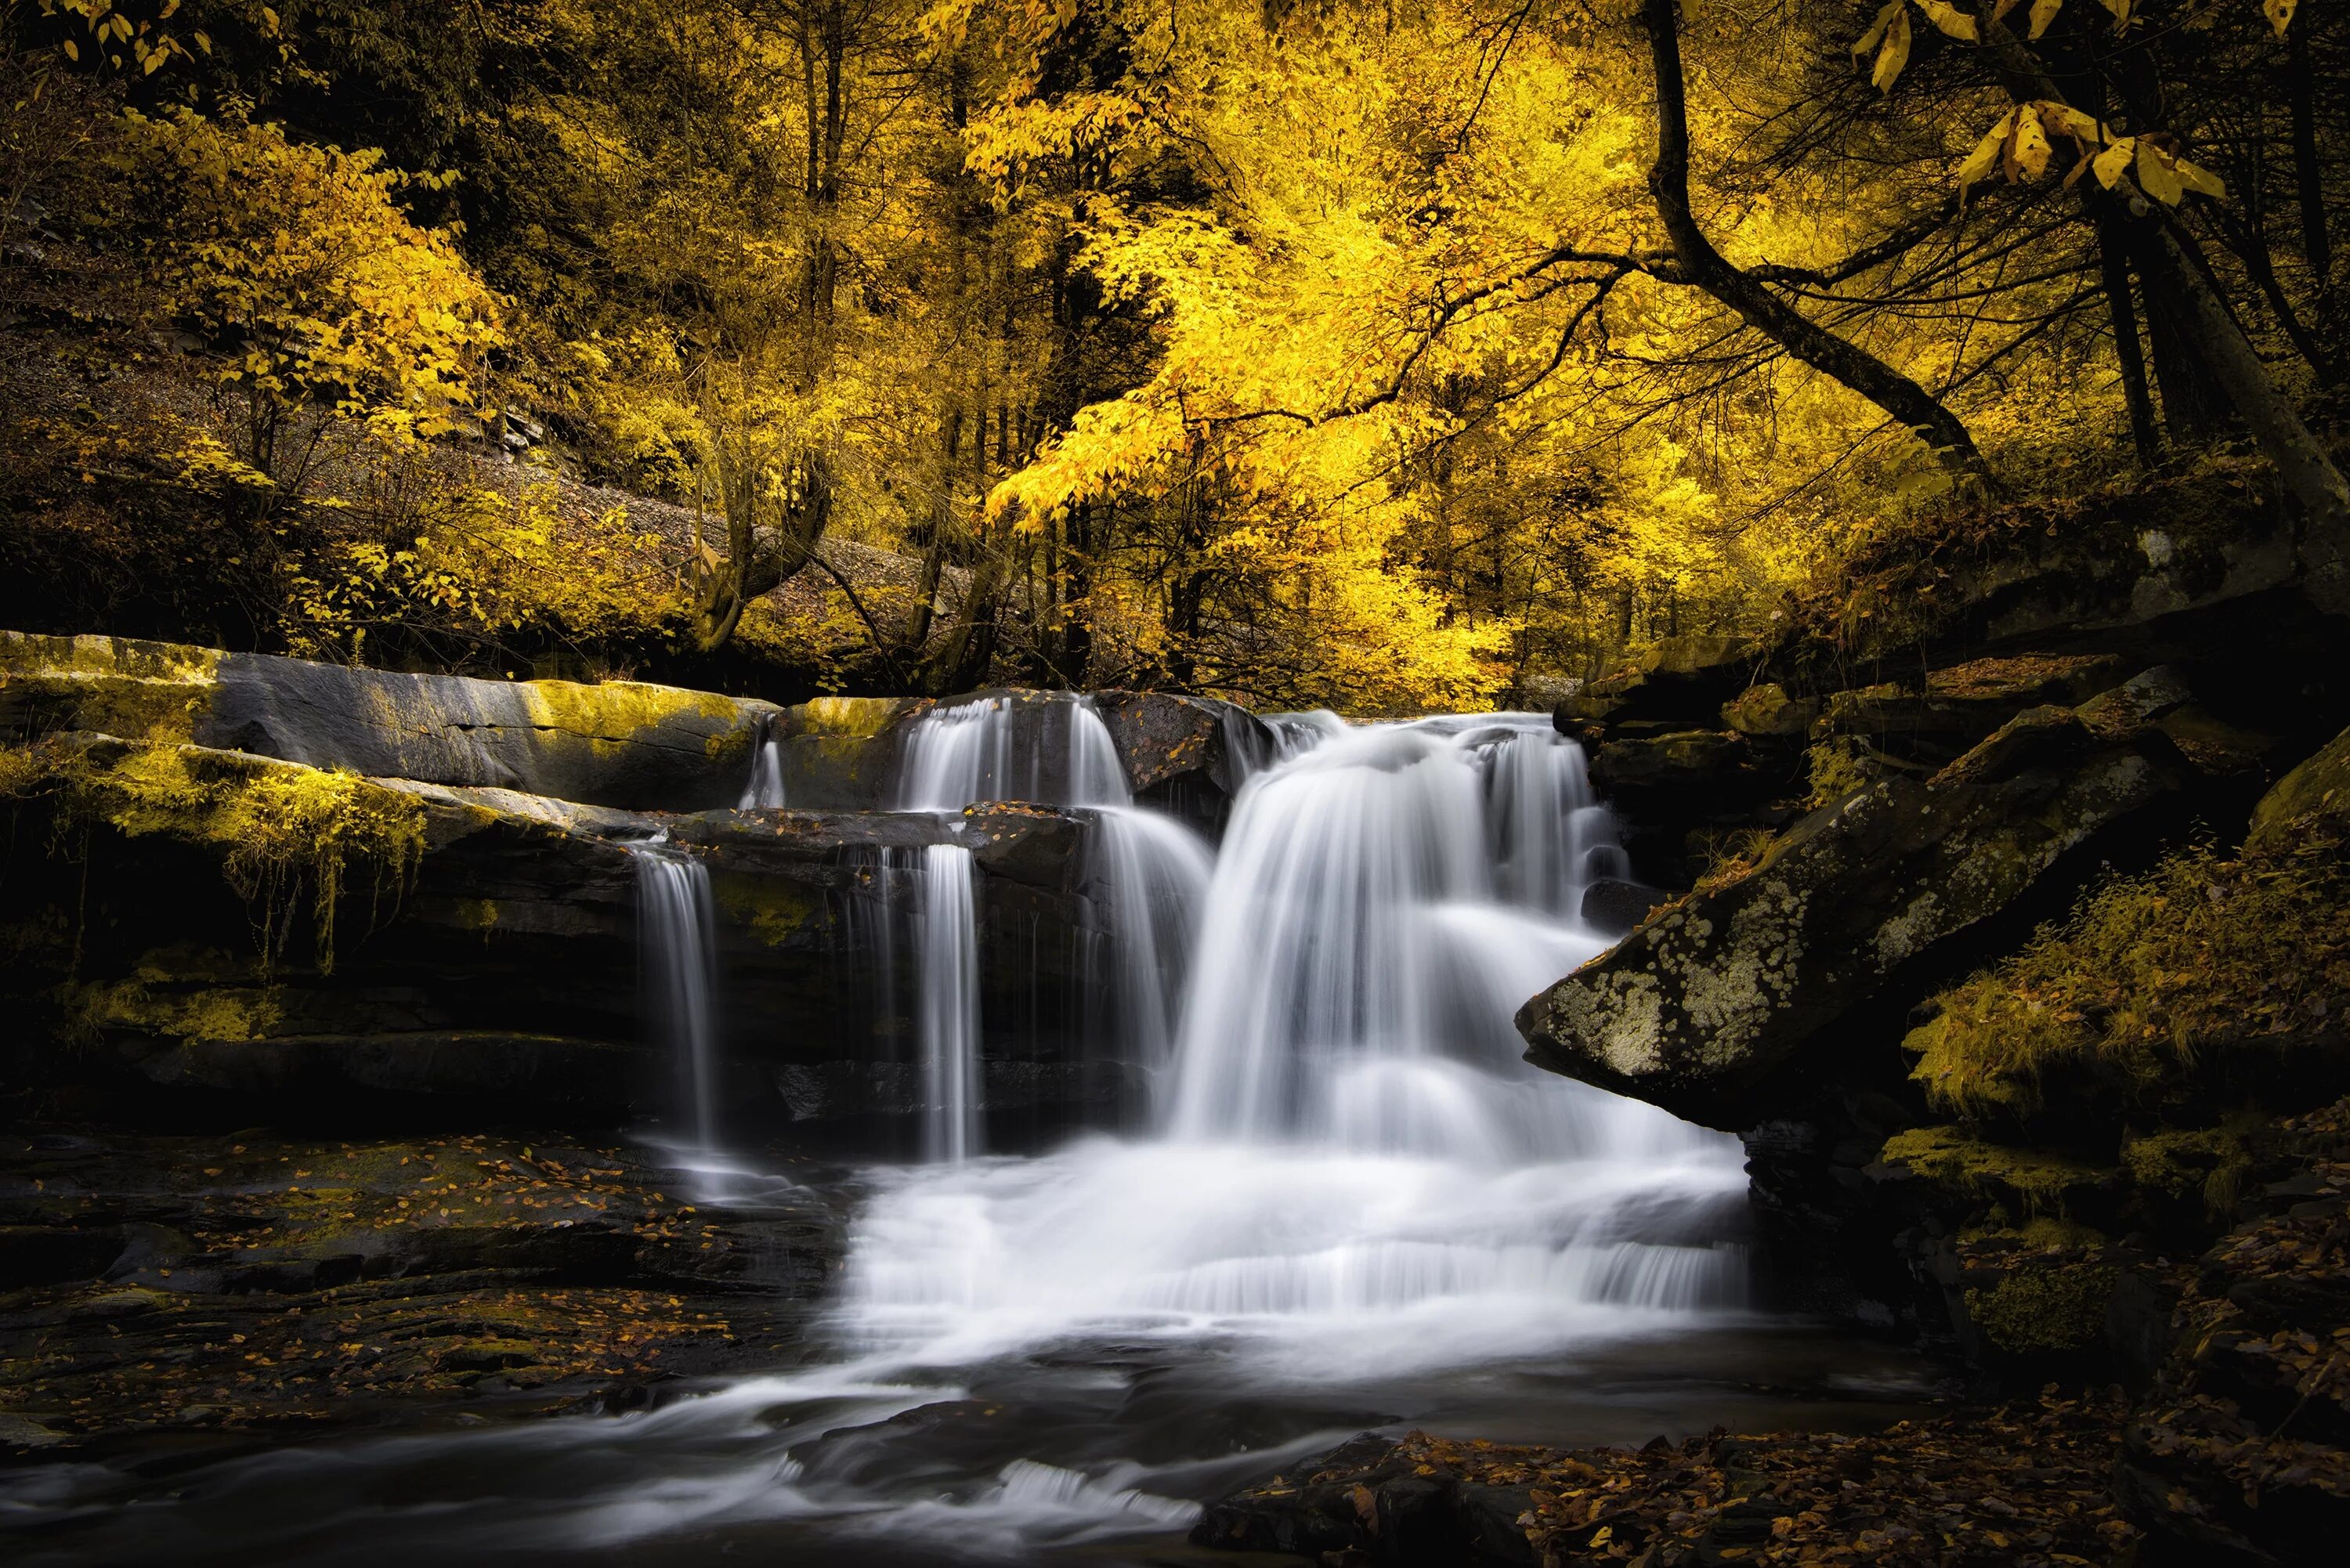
(2063, 118)
(1894, 55)
(2199, 179)
(2279, 12)
(2029, 149)
(2121, 10)
(1949, 19)
(1876, 34)
(2111, 163)
(2043, 12)
(71, 53)
(2160, 179)
(1985, 157)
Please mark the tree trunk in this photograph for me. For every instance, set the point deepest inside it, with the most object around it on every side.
(2308, 172)
(2178, 288)
(2128, 352)
(1952, 445)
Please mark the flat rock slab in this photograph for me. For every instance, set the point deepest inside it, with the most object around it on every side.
(619, 743)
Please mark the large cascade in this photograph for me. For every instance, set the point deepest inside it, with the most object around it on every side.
(1354, 1206)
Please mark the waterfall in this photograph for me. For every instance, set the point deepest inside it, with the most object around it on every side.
(764, 789)
(1051, 750)
(1547, 833)
(677, 934)
(949, 956)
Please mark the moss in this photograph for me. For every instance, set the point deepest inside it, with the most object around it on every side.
(775, 911)
(1841, 765)
(619, 713)
(848, 717)
(2045, 1306)
(2148, 974)
(146, 1004)
(2318, 787)
(476, 915)
(1968, 1166)
(2177, 1162)
(286, 835)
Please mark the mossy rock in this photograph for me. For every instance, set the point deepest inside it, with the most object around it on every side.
(618, 743)
(2029, 1181)
(2319, 786)
(2045, 1306)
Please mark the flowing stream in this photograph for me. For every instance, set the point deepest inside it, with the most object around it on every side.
(1354, 1206)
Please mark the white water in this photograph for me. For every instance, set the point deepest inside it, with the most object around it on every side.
(764, 789)
(1353, 1169)
(948, 980)
(1356, 1205)
(677, 938)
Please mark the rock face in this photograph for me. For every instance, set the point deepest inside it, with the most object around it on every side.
(619, 743)
(1707, 1002)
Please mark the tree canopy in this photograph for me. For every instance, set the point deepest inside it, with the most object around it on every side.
(1383, 356)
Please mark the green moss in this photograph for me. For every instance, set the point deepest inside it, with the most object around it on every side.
(1968, 1166)
(2045, 1306)
(2149, 973)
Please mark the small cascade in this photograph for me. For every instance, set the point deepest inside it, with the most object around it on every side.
(676, 933)
(1547, 833)
(1054, 751)
(765, 790)
(948, 983)
(1154, 873)
(1274, 738)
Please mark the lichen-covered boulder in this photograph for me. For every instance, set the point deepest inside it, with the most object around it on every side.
(1709, 1004)
(620, 743)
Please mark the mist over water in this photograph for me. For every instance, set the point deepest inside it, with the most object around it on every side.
(1353, 1204)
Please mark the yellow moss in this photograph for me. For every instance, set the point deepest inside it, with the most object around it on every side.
(618, 711)
(2045, 1306)
(2209, 1160)
(775, 910)
(2046, 1233)
(2149, 973)
(1839, 766)
(856, 718)
(1961, 1164)
(205, 1014)
(287, 835)
(477, 914)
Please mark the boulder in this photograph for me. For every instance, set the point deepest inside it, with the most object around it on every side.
(2319, 784)
(1684, 762)
(1961, 704)
(620, 743)
(1711, 1010)
(1766, 712)
(1680, 680)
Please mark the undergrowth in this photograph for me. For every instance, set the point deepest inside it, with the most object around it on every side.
(2151, 973)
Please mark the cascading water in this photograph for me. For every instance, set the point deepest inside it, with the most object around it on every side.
(764, 789)
(1357, 1207)
(677, 936)
(949, 952)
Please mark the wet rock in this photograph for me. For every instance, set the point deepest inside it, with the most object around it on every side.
(1368, 1500)
(1685, 762)
(621, 743)
(1612, 904)
(1710, 1009)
